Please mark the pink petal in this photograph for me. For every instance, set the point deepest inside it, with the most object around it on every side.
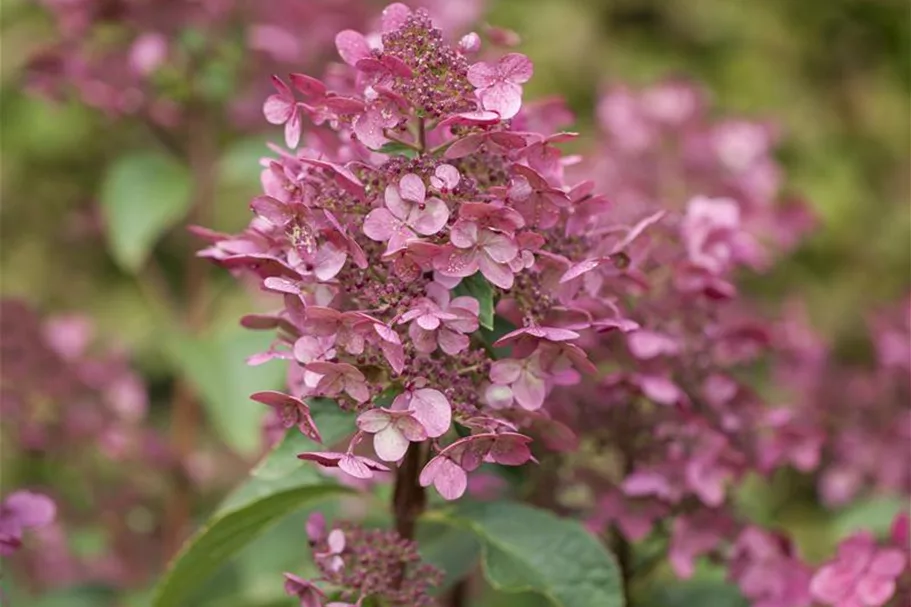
(329, 261)
(464, 234)
(529, 391)
(497, 273)
(445, 176)
(278, 109)
(411, 188)
(875, 591)
(431, 219)
(515, 67)
(373, 421)
(380, 225)
(830, 584)
(452, 343)
(476, 118)
(482, 74)
(336, 541)
(274, 211)
(424, 341)
(395, 355)
(390, 444)
(457, 262)
(444, 474)
(395, 203)
(432, 410)
(394, 17)
(308, 85)
(500, 248)
(583, 267)
(510, 449)
(660, 389)
(888, 562)
(293, 129)
(30, 509)
(369, 129)
(505, 371)
(428, 322)
(466, 145)
(316, 527)
(353, 465)
(504, 98)
(357, 390)
(352, 46)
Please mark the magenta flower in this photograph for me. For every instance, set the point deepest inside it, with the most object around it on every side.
(355, 465)
(447, 477)
(691, 537)
(406, 214)
(292, 412)
(392, 431)
(435, 320)
(499, 85)
(861, 575)
(714, 237)
(305, 590)
(19, 511)
(537, 200)
(445, 178)
(283, 108)
(474, 248)
(332, 556)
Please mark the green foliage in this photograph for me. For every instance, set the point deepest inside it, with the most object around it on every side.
(143, 195)
(216, 367)
(400, 149)
(477, 286)
(530, 550)
(280, 485)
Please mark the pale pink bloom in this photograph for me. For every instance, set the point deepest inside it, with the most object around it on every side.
(406, 214)
(336, 378)
(292, 412)
(429, 407)
(645, 344)
(525, 379)
(474, 248)
(392, 431)
(335, 542)
(445, 178)
(283, 108)
(535, 199)
(499, 85)
(437, 320)
(714, 237)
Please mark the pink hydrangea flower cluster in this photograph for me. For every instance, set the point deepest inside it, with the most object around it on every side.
(392, 235)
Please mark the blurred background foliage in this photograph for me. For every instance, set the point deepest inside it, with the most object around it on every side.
(834, 74)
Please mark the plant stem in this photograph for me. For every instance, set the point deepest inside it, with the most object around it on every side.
(408, 498)
(458, 595)
(185, 412)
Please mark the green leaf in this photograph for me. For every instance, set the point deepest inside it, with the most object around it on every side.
(394, 147)
(453, 550)
(477, 286)
(216, 367)
(280, 485)
(530, 550)
(875, 514)
(142, 196)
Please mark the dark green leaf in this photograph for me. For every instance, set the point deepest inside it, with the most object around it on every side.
(280, 485)
(394, 147)
(530, 550)
(453, 550)
(216, 367)
(477, 286)
(143, 195)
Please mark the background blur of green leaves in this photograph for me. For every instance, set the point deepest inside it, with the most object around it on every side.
(835, 74)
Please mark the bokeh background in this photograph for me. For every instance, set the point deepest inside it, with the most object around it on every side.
(835, 75)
